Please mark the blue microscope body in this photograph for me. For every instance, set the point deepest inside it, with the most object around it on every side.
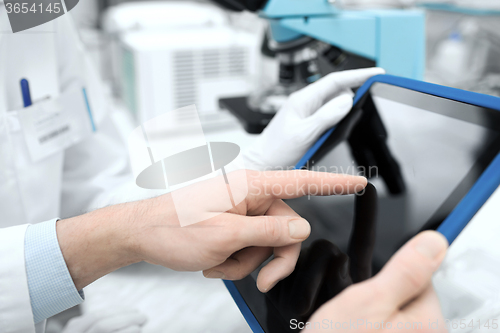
(393, 38)
(311, 38)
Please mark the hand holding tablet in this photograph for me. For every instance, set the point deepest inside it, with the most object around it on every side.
(433, 154)
(400, 296)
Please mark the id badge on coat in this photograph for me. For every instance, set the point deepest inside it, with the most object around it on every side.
(53, 125)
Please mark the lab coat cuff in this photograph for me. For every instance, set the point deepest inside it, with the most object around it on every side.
(51, 287)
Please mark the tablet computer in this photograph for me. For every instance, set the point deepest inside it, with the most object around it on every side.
(431, 155)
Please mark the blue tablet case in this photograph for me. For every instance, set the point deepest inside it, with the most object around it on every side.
(466, 208)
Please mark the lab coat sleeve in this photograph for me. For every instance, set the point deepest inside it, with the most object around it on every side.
(51, 287)
(15, 309)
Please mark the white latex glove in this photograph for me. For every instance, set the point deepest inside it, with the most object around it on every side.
(306, 115)
(115, 321)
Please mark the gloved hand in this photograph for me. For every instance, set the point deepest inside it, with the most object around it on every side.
(115, 321)
(306, 115)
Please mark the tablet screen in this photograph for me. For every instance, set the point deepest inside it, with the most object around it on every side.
(422, 154)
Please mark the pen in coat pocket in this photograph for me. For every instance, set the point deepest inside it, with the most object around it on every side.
(25, 90)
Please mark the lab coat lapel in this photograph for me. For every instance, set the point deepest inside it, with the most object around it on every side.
(25, 196)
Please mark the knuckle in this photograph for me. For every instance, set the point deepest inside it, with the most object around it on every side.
(272, 229)
(410, 275)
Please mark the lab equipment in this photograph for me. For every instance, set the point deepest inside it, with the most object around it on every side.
(174, 54)
(408, 138)
(479, 7)
(311, 40)
(463, 46)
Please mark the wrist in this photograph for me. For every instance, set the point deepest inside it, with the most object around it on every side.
(97, 243)
(148, 218)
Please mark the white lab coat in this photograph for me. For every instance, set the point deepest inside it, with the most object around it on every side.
(64, 184)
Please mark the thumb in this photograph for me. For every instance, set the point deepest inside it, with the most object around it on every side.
(332, 112)
(408, 273)
(269, 231)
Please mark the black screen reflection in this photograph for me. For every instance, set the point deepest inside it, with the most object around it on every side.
(323, 270)
(368, 143)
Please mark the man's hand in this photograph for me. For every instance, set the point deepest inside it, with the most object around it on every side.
(227, 244)
(398, 297)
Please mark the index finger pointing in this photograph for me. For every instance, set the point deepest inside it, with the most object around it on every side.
(297, 183)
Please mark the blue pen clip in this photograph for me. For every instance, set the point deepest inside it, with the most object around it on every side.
(25, 90)
(89, 110)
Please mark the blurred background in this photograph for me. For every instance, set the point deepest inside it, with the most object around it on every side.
(174, 53)
(161, 55)
(156, 56)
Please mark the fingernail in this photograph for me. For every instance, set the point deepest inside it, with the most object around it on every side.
(361, 179)
(265, 290)
(431, 244)
(299, 228)
(215, 275)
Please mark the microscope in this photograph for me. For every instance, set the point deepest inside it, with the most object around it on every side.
(312, 38)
